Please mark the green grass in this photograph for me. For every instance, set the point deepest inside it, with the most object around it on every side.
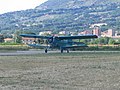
(13, 47)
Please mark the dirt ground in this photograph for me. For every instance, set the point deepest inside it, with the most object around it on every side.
(73, 71)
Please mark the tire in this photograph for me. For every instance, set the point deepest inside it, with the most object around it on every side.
(45, 50)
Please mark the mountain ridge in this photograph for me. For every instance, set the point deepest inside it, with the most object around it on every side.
(75, 18)
(53, 4)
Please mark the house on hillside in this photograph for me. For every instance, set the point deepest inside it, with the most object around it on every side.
(45, 33)
(86, 32)
(96, 31)
(64, 33)
(8, 40)
(26, 40)
(97, 25)
(108, 33)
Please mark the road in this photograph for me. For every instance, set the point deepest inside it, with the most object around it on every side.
(32, 52)
(20, 53)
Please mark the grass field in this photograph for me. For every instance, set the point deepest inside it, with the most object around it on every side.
(56, 71)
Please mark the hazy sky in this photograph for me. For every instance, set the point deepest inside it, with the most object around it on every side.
(16, 5)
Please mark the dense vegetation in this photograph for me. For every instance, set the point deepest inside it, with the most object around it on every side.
(77, 17)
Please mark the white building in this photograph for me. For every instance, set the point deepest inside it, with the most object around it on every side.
(45, 33)
(97, 25)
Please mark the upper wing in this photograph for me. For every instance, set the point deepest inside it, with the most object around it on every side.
(35, 36)
(60, 37)
(77, 37)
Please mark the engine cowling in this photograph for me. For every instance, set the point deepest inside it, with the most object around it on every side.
(50, 40)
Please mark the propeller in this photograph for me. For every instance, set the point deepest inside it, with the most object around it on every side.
(50, 40)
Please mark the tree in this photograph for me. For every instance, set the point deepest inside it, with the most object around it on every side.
(102, 40)
(1, 38)
(111, 41)
(17, 37)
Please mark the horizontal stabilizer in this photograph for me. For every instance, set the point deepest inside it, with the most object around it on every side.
(35, 36)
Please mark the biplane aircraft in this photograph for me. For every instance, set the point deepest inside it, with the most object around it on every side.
(59, 42)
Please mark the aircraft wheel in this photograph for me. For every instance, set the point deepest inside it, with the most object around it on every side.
(45, 50)
(61, 50)
(67, 51)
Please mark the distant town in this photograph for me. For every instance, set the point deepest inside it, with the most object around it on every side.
(95, 30)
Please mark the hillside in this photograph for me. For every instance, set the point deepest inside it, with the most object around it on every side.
(57, 15)
(67, 4)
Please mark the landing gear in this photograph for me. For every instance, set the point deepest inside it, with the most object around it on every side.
(61, 50)
(45, 50)
(67, 51)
